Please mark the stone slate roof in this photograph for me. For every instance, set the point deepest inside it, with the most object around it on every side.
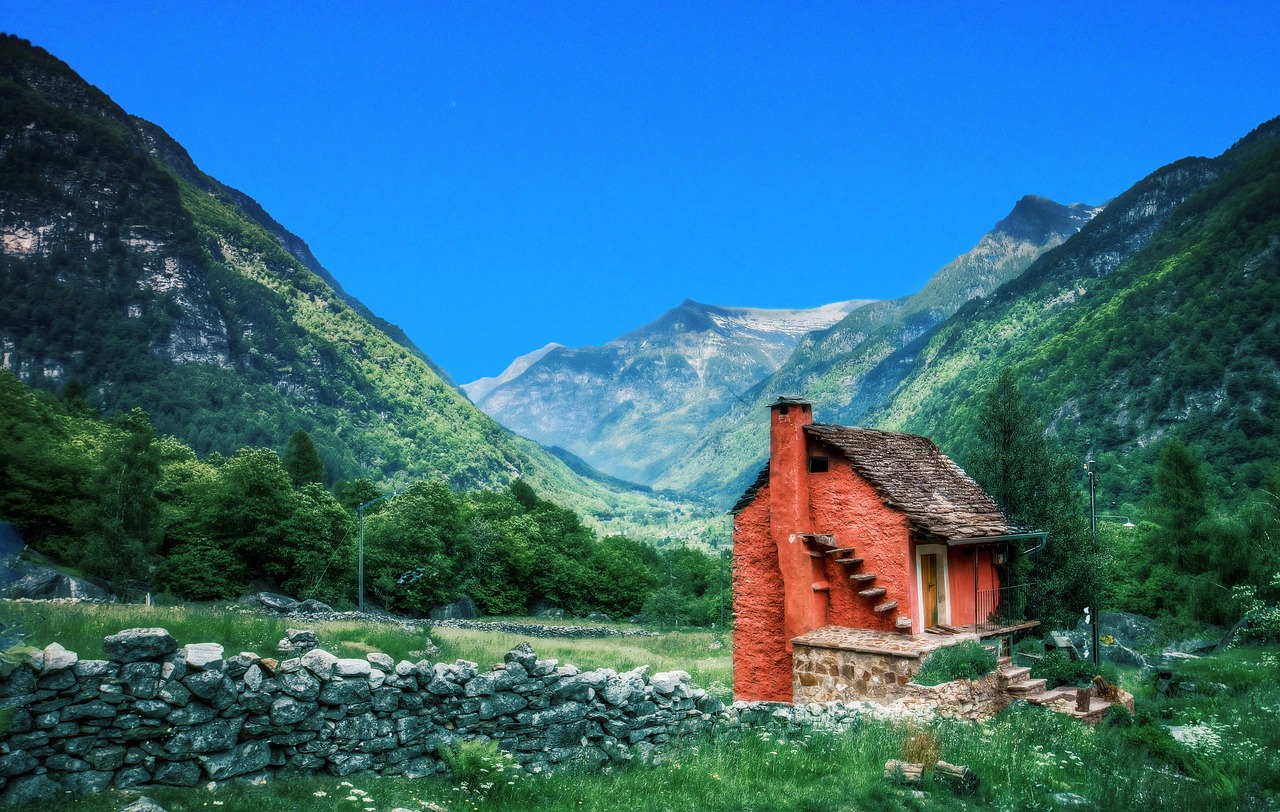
(915, 477)
(749, 496)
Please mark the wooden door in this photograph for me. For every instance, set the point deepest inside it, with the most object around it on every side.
(929, 587)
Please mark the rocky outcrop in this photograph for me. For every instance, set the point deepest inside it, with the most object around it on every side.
(44, 583)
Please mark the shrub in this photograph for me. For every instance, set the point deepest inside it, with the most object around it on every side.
(1057, 669)
(967, 660)
(473, 759)
(922, 747)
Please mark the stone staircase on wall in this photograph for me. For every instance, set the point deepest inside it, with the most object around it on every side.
(1016, 683)
(824, 546)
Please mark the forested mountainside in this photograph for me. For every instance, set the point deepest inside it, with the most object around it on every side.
(629, 406)
(1158, 320)
(152, 285)
(845, 368)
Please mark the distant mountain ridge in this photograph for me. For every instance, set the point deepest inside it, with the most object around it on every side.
(627, 405)
(844, 368)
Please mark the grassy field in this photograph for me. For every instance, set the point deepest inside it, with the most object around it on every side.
(81, 628)
(1216, 746)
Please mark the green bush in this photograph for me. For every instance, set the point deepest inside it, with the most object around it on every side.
(967, 660)
(1057, 669)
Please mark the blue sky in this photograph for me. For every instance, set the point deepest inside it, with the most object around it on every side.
(496, 176)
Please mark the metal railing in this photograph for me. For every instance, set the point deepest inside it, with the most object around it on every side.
(1004, 606)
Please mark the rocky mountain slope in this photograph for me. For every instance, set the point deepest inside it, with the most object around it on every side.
(155, 286)
(1158, 319)
(626, 407)
(845, 369)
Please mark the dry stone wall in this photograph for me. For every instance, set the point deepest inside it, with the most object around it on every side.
(154, 712)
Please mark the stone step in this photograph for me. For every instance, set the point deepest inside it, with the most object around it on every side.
(851, 561)
(822, 539)
(902, 623)
(1027, 687)
(840, 551)
(862, 576)
(1004, 662)
(822, 586)
(887, 606)
(873, 592)
(1010, 676)
(812, 554)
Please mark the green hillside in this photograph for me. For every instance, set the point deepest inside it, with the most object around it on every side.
(149, 283)
(1178, 339)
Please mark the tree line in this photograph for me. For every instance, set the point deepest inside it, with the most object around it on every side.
(1191, 556)
(146, 513)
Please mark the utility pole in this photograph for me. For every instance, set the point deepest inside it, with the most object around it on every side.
(1091, 467)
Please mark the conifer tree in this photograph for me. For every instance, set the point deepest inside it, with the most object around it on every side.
(1034, 483)
(302, 460)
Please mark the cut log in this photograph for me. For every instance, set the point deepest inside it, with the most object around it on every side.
(962, 780)
(903, 772)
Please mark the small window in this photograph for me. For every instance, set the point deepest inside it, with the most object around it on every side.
(817, 465)
(782, 410)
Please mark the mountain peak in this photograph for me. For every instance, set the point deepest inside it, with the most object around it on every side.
(1034, 218)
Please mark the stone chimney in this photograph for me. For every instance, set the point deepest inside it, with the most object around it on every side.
(804, 608)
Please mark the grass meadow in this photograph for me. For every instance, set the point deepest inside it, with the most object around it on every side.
(1216, 746)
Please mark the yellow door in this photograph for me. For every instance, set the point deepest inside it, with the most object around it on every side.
(929, 587)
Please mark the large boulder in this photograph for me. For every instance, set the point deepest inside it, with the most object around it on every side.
(26, 580)
(134, 645)
(278, 603)
(463, 609)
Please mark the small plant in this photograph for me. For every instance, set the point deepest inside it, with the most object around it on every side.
(922, 747)
(967, 660)
(473, 759)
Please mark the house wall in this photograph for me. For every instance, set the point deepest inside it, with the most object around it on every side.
(761, 659)
(844, 504)
(961, 581)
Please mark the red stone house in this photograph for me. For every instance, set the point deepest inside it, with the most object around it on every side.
(858, 529)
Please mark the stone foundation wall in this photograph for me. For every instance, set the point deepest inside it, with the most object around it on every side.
(965, 698)
(821, 674)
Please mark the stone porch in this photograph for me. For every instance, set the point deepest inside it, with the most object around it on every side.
(843, 664)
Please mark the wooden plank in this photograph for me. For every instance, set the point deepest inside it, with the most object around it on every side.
(903, 772)
(962, 780)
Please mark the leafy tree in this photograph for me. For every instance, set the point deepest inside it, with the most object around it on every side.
(414, 548)
(302, 460)
(352, 495)
(122, 524)
(1034, 484)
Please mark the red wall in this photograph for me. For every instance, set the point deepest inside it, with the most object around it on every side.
(842, 503)
(761, 654)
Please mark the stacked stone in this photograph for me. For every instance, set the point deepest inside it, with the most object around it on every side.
(543, 630)
(155, 713)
